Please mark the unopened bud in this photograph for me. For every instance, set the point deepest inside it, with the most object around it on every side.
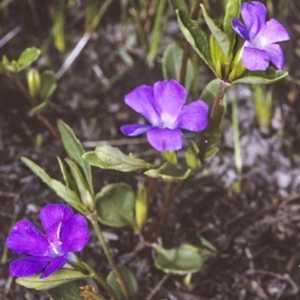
(34, 82)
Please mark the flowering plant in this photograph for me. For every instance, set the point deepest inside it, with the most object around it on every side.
(50, 262)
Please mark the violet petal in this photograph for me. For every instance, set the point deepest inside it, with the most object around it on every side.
(25, 238)
(165, 139)
(55, 264)
(53, 218)
(75, 234)
(240, 29)
(273, 32)
(194, 117)
(254, 15)
(170, 96)
(142, 101)
(28, 266)
(255, 59)
(275, 55)
(135, 129)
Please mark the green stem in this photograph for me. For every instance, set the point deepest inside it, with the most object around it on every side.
(33, 102)
(212, 119)
(236, 135)
(109, 257)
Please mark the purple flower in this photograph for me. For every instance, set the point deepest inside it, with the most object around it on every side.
(163, 106)
(260, 37)
(65, 233)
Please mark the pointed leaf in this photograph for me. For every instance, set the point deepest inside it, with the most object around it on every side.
(171, 64)
(195, 36)
(48, 84)
(262, 77)
(171, 157)
(233, 8)
(58, 278)
(209, 95)
(75, 151)
(28, 57)
(168, 172)
(85, 195)
(112, 158)
(211, 153)
(38, 108)
(70, 291)
(61, 190)
(221, 37)
(191, 157)
(130, 281)
(69, 182)
(115, 205)
(180, 5)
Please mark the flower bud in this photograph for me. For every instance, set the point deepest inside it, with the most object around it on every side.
(141, 206)
(34, 82)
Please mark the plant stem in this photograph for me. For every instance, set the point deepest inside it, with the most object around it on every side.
(167, 201)
(186, 46)
(155, 227)
(33, 102)
(109, 256)
(236, 134)
(212, 118)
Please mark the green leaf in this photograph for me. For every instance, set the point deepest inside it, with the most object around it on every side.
(221, 37)
(28, 57)
(168, 172)
(262, 77)
(68, 291)
(210, 92)
(232, 11)
(85, 195)
(211, 152)
(170, 156)
(182, 260)
(38, 108)
(115, 205)
(180, 5)
(75, 151)
(48, 84)
(209, 95)
(66, 175)
(191, 157)
(108, 157)
(171, 65)
(61, 190)
(58, 278)
(130, 282)
(195, 36)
